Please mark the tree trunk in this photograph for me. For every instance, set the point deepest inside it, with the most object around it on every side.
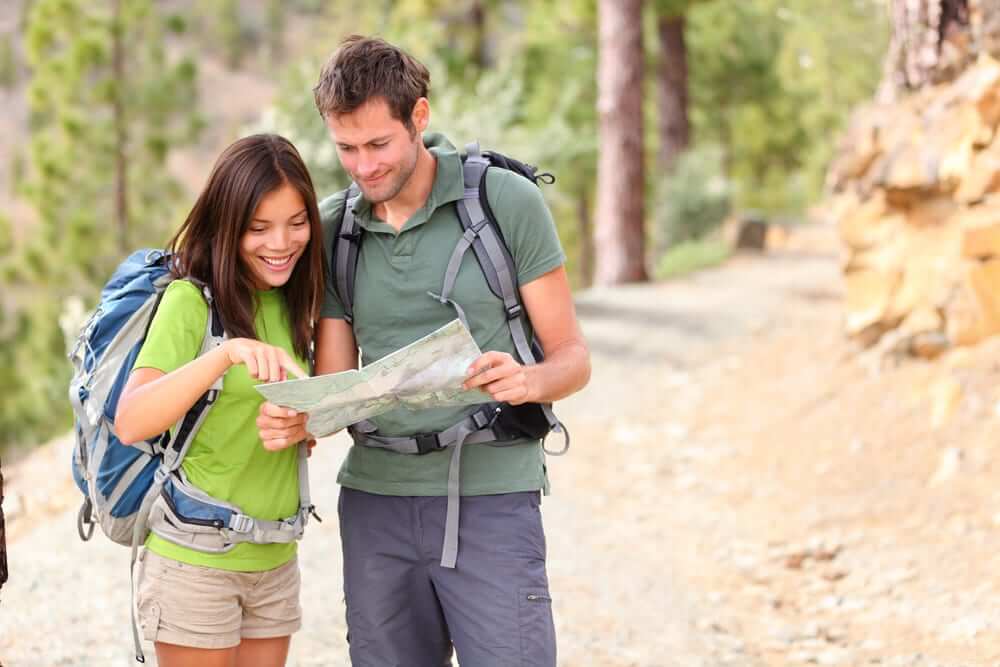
(932, 41)
(672, 91)
(3, 536)
(121, 137)
(620, 175)
(477, 20)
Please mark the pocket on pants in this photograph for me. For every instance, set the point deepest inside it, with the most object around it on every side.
(538, 633)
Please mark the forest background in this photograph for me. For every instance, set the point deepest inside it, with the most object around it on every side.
(112, 113)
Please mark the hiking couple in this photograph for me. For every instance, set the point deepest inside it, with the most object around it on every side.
(424, 573)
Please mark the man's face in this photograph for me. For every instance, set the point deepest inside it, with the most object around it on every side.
(377, 150)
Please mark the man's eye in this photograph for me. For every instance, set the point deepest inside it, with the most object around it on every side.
(382, 144)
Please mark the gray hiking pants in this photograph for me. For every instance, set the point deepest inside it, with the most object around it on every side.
(404, 609)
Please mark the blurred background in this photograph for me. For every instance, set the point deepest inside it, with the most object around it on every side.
(106, 140)
(782, 232)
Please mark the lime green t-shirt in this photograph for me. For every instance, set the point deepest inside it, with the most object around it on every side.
(392, 308)
(227, 459)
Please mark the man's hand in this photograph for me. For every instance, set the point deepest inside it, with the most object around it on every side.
(281, 427)
(500, 376)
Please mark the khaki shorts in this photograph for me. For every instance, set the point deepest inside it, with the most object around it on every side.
(205, 607)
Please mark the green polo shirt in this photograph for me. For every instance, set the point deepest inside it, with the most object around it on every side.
(392, 309)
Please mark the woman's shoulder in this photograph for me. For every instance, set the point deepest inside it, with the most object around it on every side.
(184, 294)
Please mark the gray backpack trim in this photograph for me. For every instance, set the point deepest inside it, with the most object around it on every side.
(499, 270)
(345, 256)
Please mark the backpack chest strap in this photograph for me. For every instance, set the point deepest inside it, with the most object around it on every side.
(477, 428)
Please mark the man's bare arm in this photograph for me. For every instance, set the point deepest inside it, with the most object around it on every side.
(566, 368)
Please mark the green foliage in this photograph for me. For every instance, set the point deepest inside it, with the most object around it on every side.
(511, 106)
(693, 200)
(228, 28)
(294, 117)
(75, 140)
(772, 81)
(691, 256)
(275, 26)
(70, 181)
(33, 370)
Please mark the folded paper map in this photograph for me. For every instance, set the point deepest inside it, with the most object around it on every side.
(427, 373)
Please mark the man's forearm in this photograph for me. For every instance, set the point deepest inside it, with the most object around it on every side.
(565, 371)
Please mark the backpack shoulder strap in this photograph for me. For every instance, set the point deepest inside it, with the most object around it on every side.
(187, 427)
(494, 257)
(344, 253)
(482, 233)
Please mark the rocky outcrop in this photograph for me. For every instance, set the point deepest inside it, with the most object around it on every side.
(916, 198)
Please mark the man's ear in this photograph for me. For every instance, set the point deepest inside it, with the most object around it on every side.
(421, 116)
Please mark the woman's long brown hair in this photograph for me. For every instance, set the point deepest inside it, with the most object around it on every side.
(207, 246)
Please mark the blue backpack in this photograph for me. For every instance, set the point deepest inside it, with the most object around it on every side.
(130, 490)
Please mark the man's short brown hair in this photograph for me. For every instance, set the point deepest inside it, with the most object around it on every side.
(364, 68)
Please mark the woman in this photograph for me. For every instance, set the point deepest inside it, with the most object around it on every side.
(253, 238)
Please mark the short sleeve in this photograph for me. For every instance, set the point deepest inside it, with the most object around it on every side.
(177, 331)
(526, 223)
(331, 211)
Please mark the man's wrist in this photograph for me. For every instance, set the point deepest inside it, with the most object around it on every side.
(532, 384)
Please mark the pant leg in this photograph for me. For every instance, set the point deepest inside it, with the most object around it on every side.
(496, 601)
(393, 615)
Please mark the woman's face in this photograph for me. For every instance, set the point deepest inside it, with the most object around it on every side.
(276, 237)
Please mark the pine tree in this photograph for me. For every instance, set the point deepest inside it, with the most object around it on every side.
(619, 237)
(931, 42)
(229, 29)
(106, 107)
(673, 124)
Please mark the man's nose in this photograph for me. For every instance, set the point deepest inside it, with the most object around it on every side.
(367, 165)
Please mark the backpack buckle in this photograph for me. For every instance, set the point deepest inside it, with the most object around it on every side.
(427, 442)
(240, 523)
(514, 312)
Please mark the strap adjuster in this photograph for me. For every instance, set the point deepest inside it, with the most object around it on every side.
(514, 312)
(427, 442)
(241, 523)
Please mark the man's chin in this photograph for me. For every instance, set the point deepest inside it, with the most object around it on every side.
(376, 197)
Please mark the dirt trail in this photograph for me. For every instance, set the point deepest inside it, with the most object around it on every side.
(742, 489)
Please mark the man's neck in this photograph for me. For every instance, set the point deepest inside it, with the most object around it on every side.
(414, 194)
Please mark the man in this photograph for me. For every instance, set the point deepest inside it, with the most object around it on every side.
(405, 604)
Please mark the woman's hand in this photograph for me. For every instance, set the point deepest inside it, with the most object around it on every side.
(264, 362)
